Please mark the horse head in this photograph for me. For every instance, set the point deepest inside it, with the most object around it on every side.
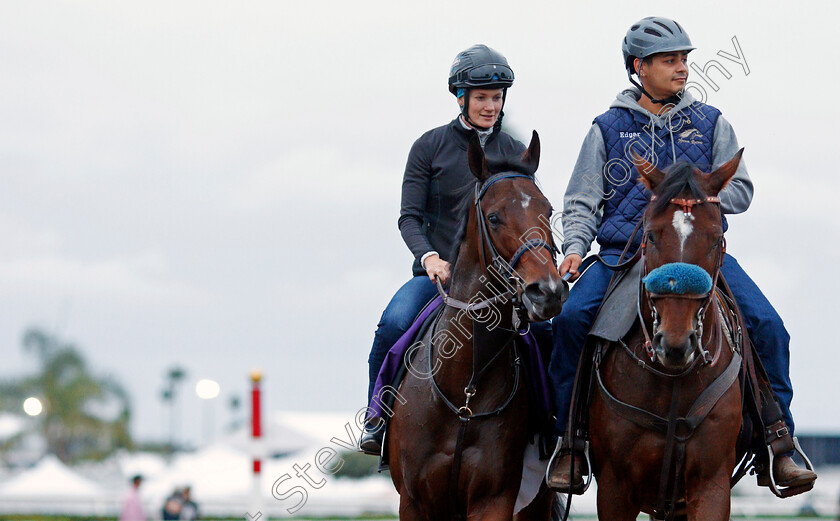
(513, 233)
(683, 247)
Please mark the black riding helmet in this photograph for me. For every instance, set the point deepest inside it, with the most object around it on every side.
(480, 67)
(649, 36)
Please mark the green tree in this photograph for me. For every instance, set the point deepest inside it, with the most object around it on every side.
(84, 416)
(175, 375)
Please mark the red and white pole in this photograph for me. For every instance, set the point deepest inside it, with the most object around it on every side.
(256, 442)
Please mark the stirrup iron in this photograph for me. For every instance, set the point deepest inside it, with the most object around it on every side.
(558, 451)
(789, 491)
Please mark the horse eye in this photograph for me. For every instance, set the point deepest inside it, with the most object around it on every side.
(651, 237)
(494, 219)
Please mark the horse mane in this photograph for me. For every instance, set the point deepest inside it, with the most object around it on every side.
(494, 166)
(679, 181)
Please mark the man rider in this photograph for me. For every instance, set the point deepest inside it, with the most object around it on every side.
(662, 123)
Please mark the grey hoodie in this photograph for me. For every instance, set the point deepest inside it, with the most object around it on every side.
(582, 204)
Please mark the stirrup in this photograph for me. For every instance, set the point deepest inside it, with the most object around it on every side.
(789, 491)
(559, 451)
(372, 440)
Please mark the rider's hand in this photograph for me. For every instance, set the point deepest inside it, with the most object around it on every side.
(570, 265)
(436, 266)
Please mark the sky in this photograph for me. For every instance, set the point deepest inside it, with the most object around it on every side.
(216, 184)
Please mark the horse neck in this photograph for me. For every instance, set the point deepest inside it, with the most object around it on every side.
(470, 283)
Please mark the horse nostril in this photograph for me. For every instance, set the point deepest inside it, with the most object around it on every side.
(536, 292)
(545, 292)
(657, 341)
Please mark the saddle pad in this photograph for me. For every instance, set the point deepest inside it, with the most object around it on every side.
(617, 313)
(393, 368)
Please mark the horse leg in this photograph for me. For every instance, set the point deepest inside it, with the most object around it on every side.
(709, 499)
(495, 509)
(410, 511)
(614, 500)
(540, 508)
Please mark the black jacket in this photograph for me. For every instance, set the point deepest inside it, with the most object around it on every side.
(436, 175)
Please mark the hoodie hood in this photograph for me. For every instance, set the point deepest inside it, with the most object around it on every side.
(629, 99)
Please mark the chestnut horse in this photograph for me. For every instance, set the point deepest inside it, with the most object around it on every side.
(457, 438)
(666, 414)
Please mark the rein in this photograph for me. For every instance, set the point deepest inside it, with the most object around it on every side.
(513, 284)
(686, 205)
(676, 429)
(506, 268)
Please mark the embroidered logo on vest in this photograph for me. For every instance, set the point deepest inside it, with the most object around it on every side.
(690, 136)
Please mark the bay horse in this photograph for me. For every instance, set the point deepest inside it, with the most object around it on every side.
(666, 414)
(457, 437)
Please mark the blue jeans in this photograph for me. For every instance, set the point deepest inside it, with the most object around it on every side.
(764, 325)
(398, 316)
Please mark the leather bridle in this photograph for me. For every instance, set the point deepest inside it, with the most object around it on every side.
(513, 283)
(686, 205)
(505, 267)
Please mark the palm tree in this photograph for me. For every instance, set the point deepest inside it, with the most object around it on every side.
(175, 375)
(75, 421)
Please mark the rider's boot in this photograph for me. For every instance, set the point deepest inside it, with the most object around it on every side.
(564, 475)
(371, 440)
(787, 475)
(565, 470)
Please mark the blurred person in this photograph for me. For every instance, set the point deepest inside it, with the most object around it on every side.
(189, 509)
(172, 505)
(132, 508)
(437, 178)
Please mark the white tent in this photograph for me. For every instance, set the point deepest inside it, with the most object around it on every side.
(51, 479)
(218, 471)
(286, 433)
(147, 464)
(11, 425)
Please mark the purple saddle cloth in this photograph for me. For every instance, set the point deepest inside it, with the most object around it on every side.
(538, 380)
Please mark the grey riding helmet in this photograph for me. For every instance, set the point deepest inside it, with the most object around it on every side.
(480, 67)
(653, 35)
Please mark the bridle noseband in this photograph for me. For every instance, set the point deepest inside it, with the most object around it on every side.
(506, 268)
(686, 205)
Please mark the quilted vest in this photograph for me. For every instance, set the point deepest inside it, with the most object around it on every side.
(626, 130)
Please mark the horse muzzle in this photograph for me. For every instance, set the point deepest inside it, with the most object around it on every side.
(544, 299)
(674, 353)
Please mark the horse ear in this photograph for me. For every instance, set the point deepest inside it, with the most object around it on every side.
(650, 176)
(718, 179)
(478, 164)
(532, 155)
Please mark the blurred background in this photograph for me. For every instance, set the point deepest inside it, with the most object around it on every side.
(194, 189)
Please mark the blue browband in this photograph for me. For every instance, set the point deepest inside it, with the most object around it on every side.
(678, 278)
(497, 177)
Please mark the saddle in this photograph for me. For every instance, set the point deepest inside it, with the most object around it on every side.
(386, 402)
(394, 371)
(763, 434)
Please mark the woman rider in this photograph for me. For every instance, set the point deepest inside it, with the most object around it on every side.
(435, 182)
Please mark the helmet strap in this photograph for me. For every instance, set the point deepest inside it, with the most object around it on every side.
(663, 101)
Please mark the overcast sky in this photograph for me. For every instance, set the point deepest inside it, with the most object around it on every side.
(216, 184)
